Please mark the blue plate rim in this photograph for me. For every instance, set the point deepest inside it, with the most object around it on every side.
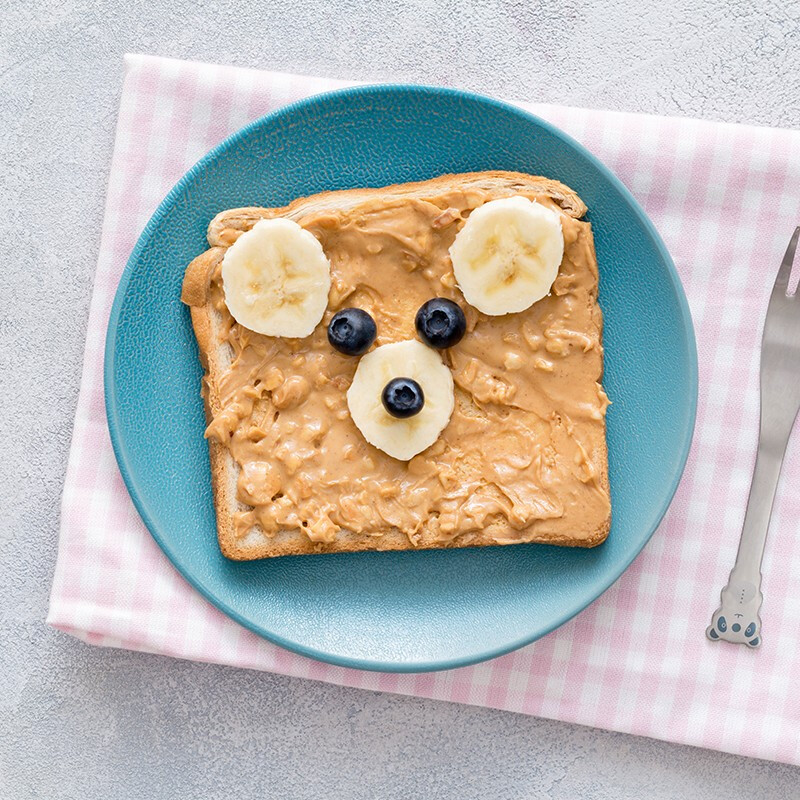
(113, 410)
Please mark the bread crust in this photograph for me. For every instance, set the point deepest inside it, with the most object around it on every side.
(222, 230)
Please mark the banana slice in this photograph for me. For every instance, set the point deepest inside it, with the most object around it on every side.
(276, 279)
(401, 438)
(507, 255)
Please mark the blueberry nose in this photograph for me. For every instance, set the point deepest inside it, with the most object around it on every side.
(403, 397)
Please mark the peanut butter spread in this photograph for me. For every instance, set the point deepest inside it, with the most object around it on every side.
(524, 451)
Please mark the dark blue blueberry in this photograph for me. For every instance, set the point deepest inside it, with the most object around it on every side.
(750, 630)
(441, 323)
(736, 627)
(713, 634)
(403, 398)
(722, 625)
(352, 331)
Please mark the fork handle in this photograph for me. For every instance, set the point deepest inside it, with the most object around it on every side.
(737, 619)
(773, 438)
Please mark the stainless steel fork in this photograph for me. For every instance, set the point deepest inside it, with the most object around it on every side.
(737, 619)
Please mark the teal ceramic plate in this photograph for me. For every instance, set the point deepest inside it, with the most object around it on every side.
(396, 611)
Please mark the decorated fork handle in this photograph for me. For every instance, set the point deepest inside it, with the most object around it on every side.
(737, 619)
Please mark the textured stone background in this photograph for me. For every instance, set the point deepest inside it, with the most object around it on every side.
(79, 722)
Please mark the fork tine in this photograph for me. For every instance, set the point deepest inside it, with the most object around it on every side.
(782, 281)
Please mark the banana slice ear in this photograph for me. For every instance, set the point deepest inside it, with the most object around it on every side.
(276, 278)
(507, 255)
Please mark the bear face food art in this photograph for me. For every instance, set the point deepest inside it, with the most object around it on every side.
(439, 377)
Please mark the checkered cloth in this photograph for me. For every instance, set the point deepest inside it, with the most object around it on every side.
(725, 198)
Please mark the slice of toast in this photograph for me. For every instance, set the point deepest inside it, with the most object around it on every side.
(524, 458)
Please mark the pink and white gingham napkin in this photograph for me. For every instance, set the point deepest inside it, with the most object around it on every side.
(725, 198)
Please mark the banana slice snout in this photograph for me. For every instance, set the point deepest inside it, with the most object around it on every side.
(507, 255)
(401, 438)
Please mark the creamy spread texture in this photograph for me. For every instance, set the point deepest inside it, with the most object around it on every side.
(524, 452)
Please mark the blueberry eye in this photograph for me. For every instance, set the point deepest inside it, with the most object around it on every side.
(441, 323)
(403, 398)
(750, 630)
(722, 624)
(351, 331)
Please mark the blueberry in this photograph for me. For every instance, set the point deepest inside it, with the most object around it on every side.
(352, 331)
(750, 630)
(440, 323)
(403, 397)
(736, 627)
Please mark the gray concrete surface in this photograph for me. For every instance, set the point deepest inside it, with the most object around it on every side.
(80, 722)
